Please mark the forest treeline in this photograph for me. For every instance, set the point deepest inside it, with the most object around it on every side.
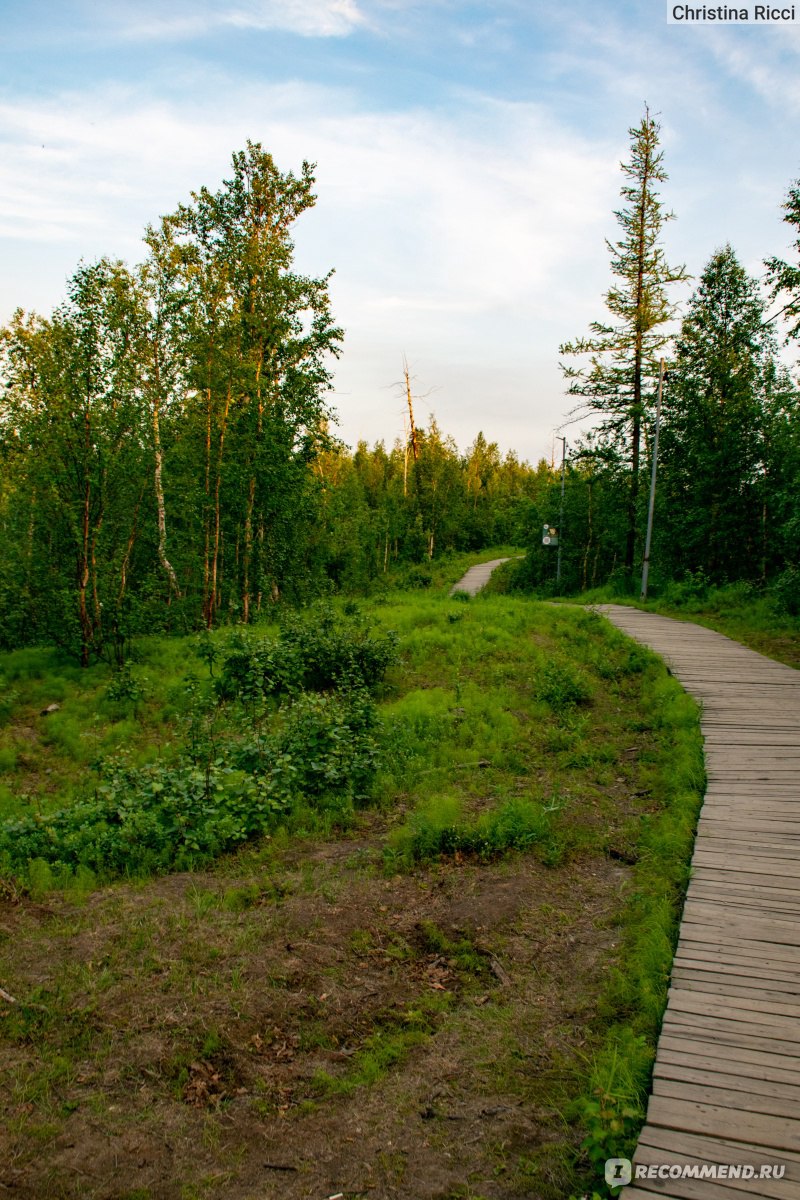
(727, 500)
(167, 451)
(169, 460)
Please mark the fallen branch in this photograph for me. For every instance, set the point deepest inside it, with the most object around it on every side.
(499, 972)
(9, 999)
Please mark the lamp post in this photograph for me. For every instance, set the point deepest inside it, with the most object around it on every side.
(651, 506)
(563, 441)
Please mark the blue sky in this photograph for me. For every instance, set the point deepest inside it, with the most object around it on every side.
(467, 166)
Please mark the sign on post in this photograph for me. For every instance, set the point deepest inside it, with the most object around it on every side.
(549, 535)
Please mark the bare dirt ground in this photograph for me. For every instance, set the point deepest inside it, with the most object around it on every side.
(296, 1024)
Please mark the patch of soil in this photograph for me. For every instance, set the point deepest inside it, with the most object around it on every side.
(340, 1034)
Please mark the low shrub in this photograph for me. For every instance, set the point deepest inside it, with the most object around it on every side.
(439, 829)
(562, 687)
(321, 753)
(315, 651)
(786, 591)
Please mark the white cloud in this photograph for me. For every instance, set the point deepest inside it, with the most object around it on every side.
(454, 234)
(307, 18)
(764, 65)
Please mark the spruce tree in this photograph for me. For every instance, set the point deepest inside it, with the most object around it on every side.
(620, 377)
(715, 415)
(784, 278)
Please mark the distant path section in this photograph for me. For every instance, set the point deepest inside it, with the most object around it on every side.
(726, 1084)
(477, 577)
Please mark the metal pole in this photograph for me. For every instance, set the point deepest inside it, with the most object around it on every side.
(563, 441)
(651, 506)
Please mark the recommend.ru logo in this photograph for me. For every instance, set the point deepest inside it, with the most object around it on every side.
(619, 1172)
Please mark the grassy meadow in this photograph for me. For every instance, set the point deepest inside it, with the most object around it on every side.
(379, 899)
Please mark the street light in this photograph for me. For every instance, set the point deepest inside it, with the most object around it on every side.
(563, 441)
(651, 506)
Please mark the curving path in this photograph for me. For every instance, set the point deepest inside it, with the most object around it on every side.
(726, 1084)
(477, 577)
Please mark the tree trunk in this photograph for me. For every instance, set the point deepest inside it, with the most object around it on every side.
(157, 480)
(633, 503)
(213, 595)
(83, 578)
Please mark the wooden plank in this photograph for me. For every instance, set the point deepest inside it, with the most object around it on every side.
(704, 1149)
(708, 1071)
(745, 895)
(750, 799)
(773, 907)
(720, 870)
(754, 948)
(758, 756)
(735, 967)
(788, 888)
(755, 864)
(705, 1189)
(698, 907)
(759, 929)
(637, 1191)
(758, 1129)
(759, 834)
(715, 822)
(746, 810)
(781, 1106)
(734, 1034)
(750, 1064)
(760, 1012)
(729, 888)
(756, 878)
(721, 985)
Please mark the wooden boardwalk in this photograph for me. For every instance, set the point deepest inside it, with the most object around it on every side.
(726, 1085)
(477, 577)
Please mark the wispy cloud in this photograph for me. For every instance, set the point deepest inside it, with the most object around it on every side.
(466, 225)
(453, 233)
(307, 18)
(764, 64)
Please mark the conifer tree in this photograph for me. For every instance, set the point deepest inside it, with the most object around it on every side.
(782, 277)
(715, 414)
(623, 354)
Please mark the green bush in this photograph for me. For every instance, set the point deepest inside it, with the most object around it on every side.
(562, 687)
(316, 651)
(439, 829)
(232, 781)
(786, 590)
(142, 819)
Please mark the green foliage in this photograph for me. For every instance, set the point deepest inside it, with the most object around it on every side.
(786, 590)
(315, 651)
(439, 828)
(328, 749)
(239, 772)
(125, 687)
(613, 1111)
(612, 1107)
(618, 381)
(715, 497)
(562, 687)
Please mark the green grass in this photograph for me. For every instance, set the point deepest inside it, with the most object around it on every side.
(506, 730)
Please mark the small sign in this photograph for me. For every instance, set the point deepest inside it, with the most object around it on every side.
(549, 535)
